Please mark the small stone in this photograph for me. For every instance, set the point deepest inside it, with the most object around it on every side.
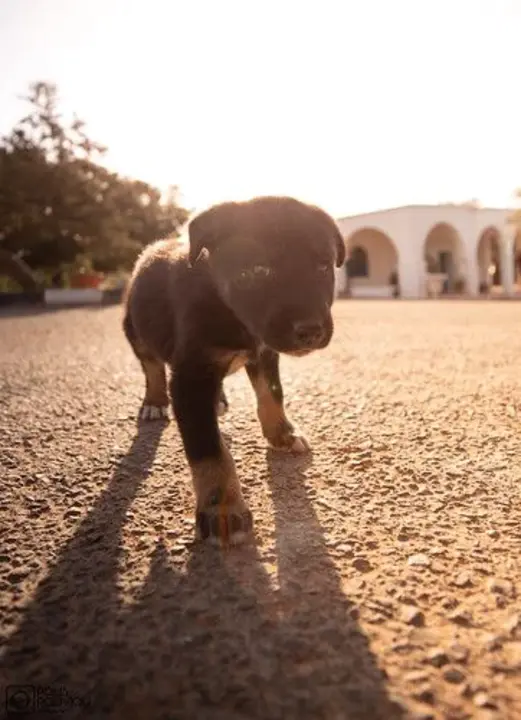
(16, 576)
(362, 565)
(402, 646)
(453, 675)
(412, 616)
(449, 603)
(416, 676)
(512, 624)
(425, 695)
(492, 642)
(438, 657)
(459, 653)
(463, 580)
(461, 617)
(493, 533)
(419, 560)
(501, 587)
(482, 700)
(345, 549)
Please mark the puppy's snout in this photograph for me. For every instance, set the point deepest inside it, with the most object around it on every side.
(309, 333)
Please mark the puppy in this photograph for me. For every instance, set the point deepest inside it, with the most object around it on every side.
(256, 280)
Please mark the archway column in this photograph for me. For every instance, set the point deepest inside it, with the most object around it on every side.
(508, 238)
(411, 274)
(470, 269)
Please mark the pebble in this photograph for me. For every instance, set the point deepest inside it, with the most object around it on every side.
(482, 700)
(425, 695)
(461, 617)
(453, 675)
(362, 565)
(492, 642)
(419, 560)
(512, 623)
(501, 587)
(412, 616)
(463, 580)
(345, 549)
(438, 657)
(16, 576)
(459, 653)
(416, 676)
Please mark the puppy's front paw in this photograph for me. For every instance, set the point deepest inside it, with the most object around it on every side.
(290, 442)
(221, 522)
(153, 412)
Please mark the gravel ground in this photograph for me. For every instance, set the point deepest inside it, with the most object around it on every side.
(384, 577)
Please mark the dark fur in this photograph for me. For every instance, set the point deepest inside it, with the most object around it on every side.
(256, 280)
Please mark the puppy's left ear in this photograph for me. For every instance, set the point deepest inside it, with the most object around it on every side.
(208, 228)
(340, 248)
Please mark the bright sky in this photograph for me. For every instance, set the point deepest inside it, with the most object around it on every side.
(353, 104)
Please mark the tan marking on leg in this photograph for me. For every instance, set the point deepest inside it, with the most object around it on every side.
(210, 475)
(276, 428)
(155, 376)
(223, 516)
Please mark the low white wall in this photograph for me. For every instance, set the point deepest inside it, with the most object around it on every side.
(73, 296)
(372, 291)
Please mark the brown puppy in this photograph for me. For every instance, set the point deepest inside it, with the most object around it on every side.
(257, 280)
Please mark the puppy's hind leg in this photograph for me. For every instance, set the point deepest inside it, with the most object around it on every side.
(277, 429)
(155, 403)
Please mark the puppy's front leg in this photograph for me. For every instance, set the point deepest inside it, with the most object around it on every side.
(221, 513)
(277, 429)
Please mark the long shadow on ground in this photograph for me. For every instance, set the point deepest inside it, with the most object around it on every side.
(220, 640)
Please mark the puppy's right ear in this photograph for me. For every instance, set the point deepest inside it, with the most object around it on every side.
(210, 227)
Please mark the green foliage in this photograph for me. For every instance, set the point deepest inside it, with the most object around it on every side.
(59, 205)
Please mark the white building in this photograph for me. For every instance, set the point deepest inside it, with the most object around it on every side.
(431, 248)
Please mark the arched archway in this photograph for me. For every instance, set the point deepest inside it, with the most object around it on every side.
(357, 265)
(489, 259)
(372, 263)
(444, 257)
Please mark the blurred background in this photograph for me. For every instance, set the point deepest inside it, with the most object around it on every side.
(120, 118)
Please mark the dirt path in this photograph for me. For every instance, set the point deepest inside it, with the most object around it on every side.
(384, 578)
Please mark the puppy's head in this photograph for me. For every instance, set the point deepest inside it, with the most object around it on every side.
(273, 260)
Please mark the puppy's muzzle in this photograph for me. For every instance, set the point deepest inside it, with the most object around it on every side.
(298, 333)
(309, 334)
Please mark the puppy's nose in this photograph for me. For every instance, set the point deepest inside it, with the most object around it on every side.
(308, 333)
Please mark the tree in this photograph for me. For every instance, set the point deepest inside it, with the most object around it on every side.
(58, 203)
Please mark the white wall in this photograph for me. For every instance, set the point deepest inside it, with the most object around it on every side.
(408, 228)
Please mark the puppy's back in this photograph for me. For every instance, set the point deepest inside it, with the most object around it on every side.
(150, 298)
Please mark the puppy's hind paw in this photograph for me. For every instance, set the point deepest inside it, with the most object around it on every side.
(153, 412)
